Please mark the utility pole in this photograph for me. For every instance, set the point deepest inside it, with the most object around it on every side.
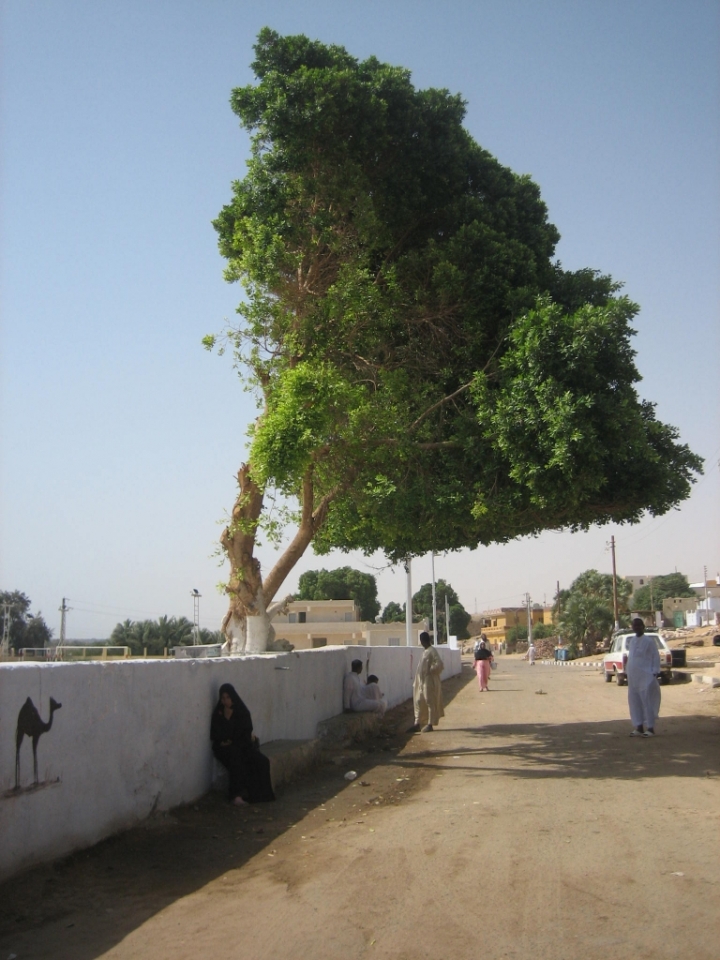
(408, 606)
(196, 615)
(556, 618)
(615, 599)
(434, 598)
(707, 600)
(447, 620)
(63, 613)
(529, 618)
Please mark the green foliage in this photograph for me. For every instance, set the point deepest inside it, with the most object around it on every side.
(459, 617)
(416, 351)
(394, 613)
(344, 583)
(540, 631)
(651, 596)
(158, 635)
(586, 614)
(26, 629)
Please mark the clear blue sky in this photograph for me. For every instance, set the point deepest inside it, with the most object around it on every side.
(121, 436)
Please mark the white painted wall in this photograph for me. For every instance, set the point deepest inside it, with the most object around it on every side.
(133, 736)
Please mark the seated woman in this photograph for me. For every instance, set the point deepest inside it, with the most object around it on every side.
(237, 748)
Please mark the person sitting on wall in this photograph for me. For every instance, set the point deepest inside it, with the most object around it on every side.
(238, 750)
(372, 689)
(355, 698)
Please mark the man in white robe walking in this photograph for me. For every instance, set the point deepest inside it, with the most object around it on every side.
(643, 670)
(427, 689)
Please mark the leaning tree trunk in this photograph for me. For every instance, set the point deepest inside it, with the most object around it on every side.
(248, 623)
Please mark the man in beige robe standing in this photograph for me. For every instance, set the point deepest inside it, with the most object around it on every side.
(427, 690)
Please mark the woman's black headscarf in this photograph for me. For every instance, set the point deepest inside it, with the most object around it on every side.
(233, 694)
(240, 711)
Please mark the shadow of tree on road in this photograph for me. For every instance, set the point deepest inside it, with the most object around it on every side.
(686, 746)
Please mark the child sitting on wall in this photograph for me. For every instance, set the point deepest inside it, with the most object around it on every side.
(372, 690)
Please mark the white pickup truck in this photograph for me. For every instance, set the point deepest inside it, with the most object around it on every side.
(615, 662)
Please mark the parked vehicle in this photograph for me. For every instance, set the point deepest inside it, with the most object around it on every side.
(615, 662)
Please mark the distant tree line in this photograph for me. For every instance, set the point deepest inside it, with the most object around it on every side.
(585, 615)
(540, 631)
(651, 595)
(26, 629)
(159, 635)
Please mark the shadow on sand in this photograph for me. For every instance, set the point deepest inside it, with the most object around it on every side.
(86, 903)
(686, 746)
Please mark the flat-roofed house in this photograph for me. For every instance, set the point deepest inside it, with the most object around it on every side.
(324, 623)
(497, 623)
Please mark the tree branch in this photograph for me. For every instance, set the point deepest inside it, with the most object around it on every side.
(310, 522)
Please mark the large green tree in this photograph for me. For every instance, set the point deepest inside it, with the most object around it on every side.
(25, 629)
(344, 583)
(459, 617)
(428, 377)
(394, 613)
(651, 595)
(586, 609)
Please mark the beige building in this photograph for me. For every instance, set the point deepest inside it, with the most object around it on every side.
(637, 581)
(674, 609)
(324, 623)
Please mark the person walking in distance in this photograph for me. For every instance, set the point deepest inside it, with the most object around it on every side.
(427, 689)
(643, 670)
(483, 659)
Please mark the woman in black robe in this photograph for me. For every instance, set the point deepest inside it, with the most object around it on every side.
(237, 748)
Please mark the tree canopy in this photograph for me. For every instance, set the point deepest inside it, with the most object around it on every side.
(394, 613)
(26, 629)
(651, 595)
(428, 376)
(344, 583)
(586, 610)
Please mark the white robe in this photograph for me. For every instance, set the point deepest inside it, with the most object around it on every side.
(427, 689)
(643, 666)
(531, 653)
(373, 692)
(355, 699)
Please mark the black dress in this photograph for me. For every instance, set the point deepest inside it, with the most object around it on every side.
(248, 769)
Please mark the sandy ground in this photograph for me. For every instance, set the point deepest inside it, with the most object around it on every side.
(528, 825)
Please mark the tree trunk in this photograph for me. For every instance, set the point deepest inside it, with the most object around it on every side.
(244, 587)
(247, 625)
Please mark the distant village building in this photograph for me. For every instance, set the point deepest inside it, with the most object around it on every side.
(701, 610)
(708, 603)
(322, 623)
(637, 582)
(498, 622)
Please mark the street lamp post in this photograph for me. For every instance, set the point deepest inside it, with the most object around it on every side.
(408, 606)
(196, 616)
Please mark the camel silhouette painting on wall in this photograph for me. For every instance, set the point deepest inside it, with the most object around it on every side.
(31, 725)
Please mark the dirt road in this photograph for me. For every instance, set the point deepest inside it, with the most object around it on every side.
(529, 825)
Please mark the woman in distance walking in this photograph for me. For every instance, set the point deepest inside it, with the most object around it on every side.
(483, 660)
